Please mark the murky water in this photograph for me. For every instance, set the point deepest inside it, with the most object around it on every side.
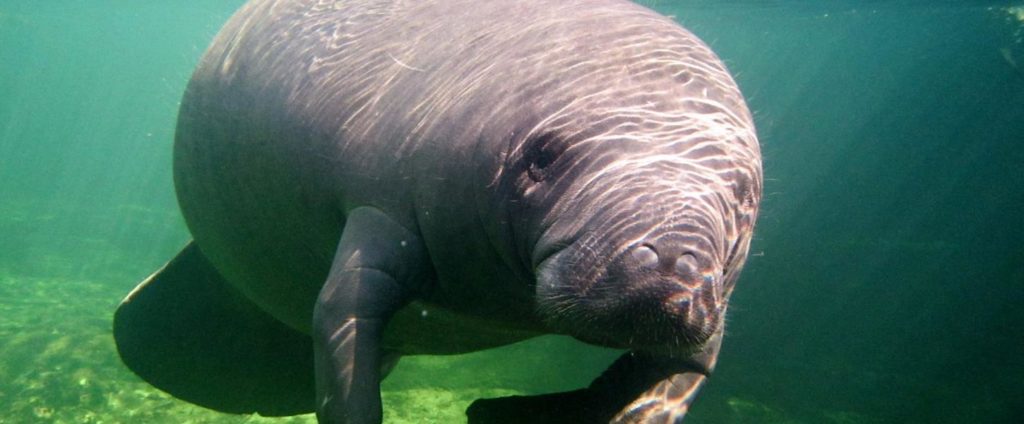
(887, 278)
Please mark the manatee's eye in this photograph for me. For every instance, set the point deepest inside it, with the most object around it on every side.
(744, 191)
(542, 151)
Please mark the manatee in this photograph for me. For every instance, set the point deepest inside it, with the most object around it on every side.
(368, 179)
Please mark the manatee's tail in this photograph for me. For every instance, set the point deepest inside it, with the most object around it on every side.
(187, 332)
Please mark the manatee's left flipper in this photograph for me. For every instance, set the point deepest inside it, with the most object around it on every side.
(636, 388)
(378, 268)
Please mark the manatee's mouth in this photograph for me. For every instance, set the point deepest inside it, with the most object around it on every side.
(545, 251)
(614, 308)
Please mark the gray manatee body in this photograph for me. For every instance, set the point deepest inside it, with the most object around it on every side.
(370, 179)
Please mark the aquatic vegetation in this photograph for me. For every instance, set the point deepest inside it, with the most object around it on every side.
(747, 411)
(58, 362)
(1017, 12)
(1014, 15)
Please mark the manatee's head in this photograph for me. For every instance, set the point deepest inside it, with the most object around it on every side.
(626, 175)
(638, 243)
(633, 205)
(656, 278)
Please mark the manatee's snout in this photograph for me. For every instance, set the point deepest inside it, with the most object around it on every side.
(682, 280)
(662, 294)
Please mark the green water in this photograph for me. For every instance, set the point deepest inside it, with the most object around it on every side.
(887, 281)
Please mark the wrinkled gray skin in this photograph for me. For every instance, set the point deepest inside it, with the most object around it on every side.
(493, 170)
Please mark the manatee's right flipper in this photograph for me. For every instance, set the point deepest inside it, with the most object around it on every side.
(668, 386)
(378, 268)
(187, 332)
(636, 388)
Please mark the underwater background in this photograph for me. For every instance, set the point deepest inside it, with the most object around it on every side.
(886, 282)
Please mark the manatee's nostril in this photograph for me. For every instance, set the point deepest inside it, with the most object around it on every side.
(645, 256)
(688, 268)
(682, 305)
